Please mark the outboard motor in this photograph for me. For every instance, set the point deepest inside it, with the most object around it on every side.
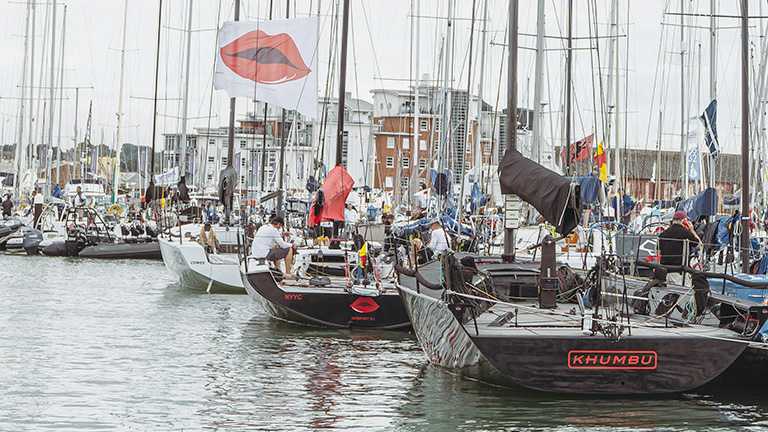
(32, 239)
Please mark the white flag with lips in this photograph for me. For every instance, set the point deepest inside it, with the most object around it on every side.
(270, 61)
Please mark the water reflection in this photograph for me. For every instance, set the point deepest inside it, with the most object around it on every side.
(121, 346)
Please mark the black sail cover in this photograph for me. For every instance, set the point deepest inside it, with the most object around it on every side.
(548, 191)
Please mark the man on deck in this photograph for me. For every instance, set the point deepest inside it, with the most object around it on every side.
(672, 241)
(268, 244)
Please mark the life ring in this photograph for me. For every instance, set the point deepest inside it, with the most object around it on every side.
(387, 209)
(115, 209)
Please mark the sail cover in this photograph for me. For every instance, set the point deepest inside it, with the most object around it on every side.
(703, 204)
(550, 193)
(335, 190)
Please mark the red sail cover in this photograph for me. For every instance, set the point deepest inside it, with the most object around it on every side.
(336, 187)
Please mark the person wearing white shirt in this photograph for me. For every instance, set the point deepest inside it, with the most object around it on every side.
(438, 243)
(637, 223)
(268, 244)
(350, 218)
(37, 201)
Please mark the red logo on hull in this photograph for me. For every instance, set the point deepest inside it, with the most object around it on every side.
(364, 305)
(265, 59)
(612, 359)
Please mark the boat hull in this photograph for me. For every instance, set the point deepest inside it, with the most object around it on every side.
(149, 250)
(637, 364)
(324, 306)
(194, 269)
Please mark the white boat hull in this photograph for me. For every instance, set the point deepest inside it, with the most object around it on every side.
(196, 270)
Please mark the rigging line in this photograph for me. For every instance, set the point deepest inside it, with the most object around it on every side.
(662, 70)
(357, 103)
(333, 33)
(495, 143)
(592, 65)
(203, 176)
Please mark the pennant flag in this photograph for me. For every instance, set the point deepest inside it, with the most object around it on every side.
(600, 160)
(237, 163)
(580, 150)
(270, 61)
(694, 169)
(43, 156)
(709, 117)
(94, 153)
(363, 254)
(142, 159)
(190, 163)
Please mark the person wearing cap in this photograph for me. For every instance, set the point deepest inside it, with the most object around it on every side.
(268, 244)
(671, 243)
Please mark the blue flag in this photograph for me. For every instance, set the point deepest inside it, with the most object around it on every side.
(710, 128)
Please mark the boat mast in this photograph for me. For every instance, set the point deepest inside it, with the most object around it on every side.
(30, 143)
(185, 104)
(282, 141)
(19, 148)
(744, 243)
(412, 184)
(537, 83)
(468, 133)
(342, 83)
(683, 134)
(51, 95)
(511, 233)
(230, 144)
(478, 145)
(150, 193)
(568, 65)
(116, 177)
(264, 131)
(712, 79)
(61, 99)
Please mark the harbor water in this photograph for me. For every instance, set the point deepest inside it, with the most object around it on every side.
(120, 346)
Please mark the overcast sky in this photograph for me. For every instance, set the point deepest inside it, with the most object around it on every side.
(379, 57)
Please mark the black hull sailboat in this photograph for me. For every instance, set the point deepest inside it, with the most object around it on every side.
(327, 302)
(548, 356)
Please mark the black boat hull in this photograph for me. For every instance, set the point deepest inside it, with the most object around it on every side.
(332, 307)
(593, 365)
(149, 250)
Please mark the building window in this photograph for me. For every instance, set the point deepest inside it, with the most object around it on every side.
(388, 182)
(242, 143)
(422, 163)
(406, 163)
(422, 183)
(437, 125)
(406, 143)
(211, 159)
(436, 146)
(211, 141)
(390, 142)
(390, 162)
(404, 183)
(223, 160)
(424, 125)
(242, 161)
(422, 145)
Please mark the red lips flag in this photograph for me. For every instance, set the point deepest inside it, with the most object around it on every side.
(270, 61)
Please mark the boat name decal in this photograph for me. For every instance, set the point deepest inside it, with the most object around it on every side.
(364, 305)
(612, 359)
(363, 318)
(197, 262)
(293, 296)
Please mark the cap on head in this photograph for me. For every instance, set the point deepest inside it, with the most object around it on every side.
(277, 220)
(680, 215)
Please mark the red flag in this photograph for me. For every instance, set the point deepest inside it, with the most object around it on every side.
(336, 188)
(580, 150)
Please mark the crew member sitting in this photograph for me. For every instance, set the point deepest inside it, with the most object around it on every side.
(438, 243)
(268, 244)
(671, 243)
